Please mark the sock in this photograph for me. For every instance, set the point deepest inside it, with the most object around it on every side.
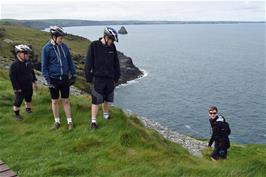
(57, 119)
(16, 112)
(69, 120)
(106, 115)
(93, 120)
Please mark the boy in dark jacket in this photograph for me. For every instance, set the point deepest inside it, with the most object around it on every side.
(220, 133)
(103, 70)
(22, 77)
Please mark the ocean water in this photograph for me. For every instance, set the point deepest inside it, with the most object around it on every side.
(190, 67)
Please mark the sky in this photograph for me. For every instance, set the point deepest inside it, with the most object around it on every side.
(196, 10)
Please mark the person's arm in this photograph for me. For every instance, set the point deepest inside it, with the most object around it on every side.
(13, 77)
(116, 67)
(34, 78)
(71, 64)
(45, 64)
(229, 130)
(211, 140)
(89, 64)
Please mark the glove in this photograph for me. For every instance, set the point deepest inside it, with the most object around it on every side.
(72, 81)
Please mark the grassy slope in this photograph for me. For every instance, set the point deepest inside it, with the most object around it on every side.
(120, 147)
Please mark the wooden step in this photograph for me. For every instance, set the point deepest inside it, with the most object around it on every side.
(5, 171)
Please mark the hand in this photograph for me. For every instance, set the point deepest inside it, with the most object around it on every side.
(72, 81)
(51, 86)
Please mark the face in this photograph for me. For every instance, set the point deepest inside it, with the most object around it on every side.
(59, 40)
(212, 114)
(109, 41)
(23, 55)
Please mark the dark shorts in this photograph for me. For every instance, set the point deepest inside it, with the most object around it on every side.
(102, 90)
(219, 153)
(25, 94)
(61, 86)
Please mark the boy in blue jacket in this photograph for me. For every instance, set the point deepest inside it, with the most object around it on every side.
(56, 67)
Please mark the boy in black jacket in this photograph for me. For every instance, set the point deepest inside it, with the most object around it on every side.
(22, 78)
(220, 133)
(103, 70)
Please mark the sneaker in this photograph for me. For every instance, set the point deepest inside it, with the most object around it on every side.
(19, 118)
(28, 110)
(70, 126)
(56, 125)
(106, 116)
(93, 125)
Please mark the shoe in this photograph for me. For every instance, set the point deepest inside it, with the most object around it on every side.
(28, 110)
(19, 118)
(93, 125)
(56, 125)
(70, 126)
(213, 159)
(106, 116)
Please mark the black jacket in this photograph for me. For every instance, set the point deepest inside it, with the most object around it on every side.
(221, 140)
(21, 75)
(102, 61)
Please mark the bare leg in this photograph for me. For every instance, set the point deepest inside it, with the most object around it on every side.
(67, 107)
(94, 110)
(105, 107)
(28, 104)
(55, 108)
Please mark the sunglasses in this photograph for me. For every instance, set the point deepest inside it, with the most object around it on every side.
(212, 113)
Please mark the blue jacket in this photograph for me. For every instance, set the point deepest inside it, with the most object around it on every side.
(57, 62)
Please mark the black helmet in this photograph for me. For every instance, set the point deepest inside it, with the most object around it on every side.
(110, 32)
(22, 48)
(57, 31)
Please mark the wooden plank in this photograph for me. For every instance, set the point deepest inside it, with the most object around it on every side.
(3, 168)
(8, 174)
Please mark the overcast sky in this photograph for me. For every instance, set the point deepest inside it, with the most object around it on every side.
(134, 10)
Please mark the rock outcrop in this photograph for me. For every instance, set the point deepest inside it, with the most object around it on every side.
(122, 30)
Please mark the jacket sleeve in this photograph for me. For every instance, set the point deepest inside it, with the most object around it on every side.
(211, 140)
(13, 77)
(45, 62)
(89, 64)
(71, 64)
(34, 76)
(116, 67)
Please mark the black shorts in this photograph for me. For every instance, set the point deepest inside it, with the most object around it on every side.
(61, 86)
(24, 94)
(102, 90)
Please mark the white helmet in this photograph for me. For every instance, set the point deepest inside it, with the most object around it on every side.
(22, 48)
(110, 32)
(57, 31)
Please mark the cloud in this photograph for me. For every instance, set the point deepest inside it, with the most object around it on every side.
(137, 10)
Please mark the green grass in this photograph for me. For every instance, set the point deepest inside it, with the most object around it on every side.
(121, 147)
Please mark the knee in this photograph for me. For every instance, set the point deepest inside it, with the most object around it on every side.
(66, 101)
(55, 102)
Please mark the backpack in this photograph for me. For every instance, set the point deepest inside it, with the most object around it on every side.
(221, 131)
